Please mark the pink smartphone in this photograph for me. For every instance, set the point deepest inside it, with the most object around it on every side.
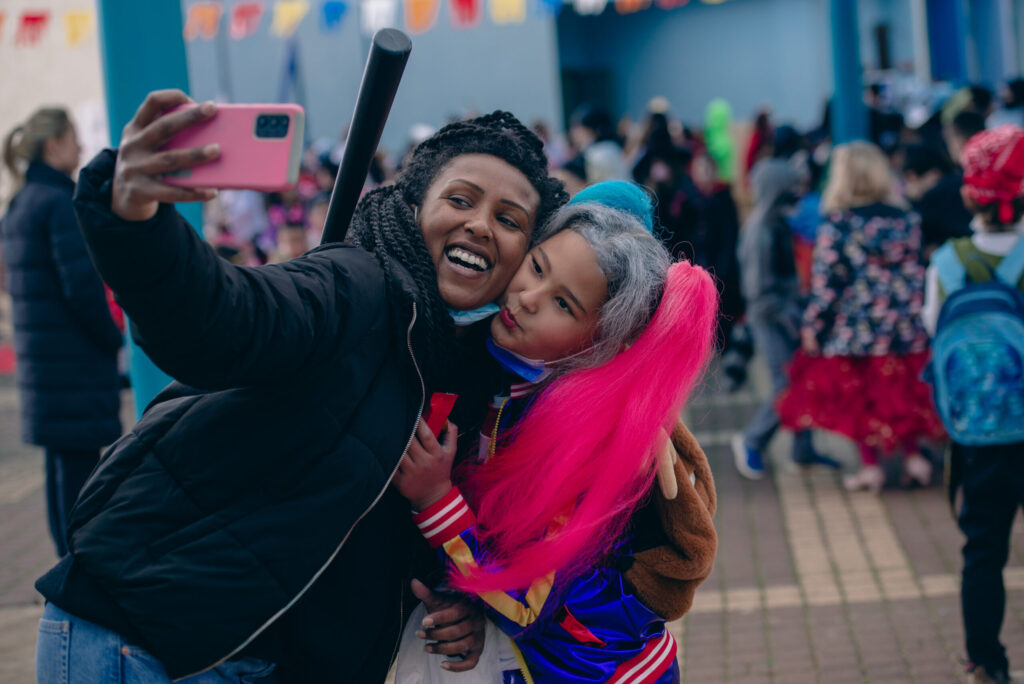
(260, 148)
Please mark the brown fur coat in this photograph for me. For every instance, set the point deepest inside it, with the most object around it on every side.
(678, 556)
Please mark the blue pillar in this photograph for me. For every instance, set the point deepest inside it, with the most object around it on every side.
(991, 23)
(849, 114)
(142, 49)
(947, 35)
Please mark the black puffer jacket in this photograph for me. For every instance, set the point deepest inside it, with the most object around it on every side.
(65, 339)
(256, 497)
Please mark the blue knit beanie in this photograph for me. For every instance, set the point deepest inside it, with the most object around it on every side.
(622, 195)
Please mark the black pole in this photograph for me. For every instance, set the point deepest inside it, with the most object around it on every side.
(388, 54)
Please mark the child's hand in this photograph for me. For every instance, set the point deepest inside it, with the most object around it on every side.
(425, 474)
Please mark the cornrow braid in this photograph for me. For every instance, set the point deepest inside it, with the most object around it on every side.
(385, 223)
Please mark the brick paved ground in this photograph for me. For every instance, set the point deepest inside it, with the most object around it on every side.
(816, 584)
(811, 583)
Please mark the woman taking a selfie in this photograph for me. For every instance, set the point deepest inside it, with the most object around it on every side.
(244, 528)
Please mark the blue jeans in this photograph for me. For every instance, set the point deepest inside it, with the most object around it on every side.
(776, 345)
(70, 650)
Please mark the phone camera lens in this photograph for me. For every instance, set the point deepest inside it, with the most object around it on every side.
(272, 125)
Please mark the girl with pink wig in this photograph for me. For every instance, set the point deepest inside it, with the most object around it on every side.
(607, 338)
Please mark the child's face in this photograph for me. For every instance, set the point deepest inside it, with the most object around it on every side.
(551, 308)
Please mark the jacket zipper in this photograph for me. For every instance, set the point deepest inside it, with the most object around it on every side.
(275, 616)
(525, 671)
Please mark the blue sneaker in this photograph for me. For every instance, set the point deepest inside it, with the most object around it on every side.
(748, 461)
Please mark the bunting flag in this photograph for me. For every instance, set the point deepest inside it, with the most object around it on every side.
(421, 15)
(670, 4)
(331, 14)
(465, 13)
(378, 14)
(631, 6)
(589, 6)
(203, 20)
(548, 8)
(245, 19)
(31, 27)
(288, 14)
(78, 24)
(508, 11)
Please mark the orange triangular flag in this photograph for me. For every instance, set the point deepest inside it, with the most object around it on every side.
(203, 20)
(421, 15)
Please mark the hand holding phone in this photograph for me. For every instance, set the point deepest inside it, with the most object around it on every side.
(137, 189)
(260, 148)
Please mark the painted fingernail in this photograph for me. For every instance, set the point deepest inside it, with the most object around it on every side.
(421, 634)
(428, 622)
(428, 649)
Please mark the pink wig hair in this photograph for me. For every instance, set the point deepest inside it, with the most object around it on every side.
(585, 453)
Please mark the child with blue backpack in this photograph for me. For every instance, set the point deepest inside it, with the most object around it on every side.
(974, 309)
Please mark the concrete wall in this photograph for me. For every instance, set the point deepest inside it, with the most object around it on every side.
(51, 73)
(751, 52)
(450, 71)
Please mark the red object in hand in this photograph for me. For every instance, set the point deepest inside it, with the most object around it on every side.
(437, 411)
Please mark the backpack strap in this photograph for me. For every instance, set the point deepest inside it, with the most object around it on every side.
(952, 274)
(1011, 268)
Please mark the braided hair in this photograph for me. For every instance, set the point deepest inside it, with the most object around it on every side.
(385, 223)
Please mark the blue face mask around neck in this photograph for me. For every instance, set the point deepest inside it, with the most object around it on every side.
(464, 318)
(530, 370)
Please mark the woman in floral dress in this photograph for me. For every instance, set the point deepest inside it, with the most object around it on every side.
(862, 342)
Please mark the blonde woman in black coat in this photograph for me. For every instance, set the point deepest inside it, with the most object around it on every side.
(65, 339)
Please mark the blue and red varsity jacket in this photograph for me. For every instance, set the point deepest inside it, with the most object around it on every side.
(591, 629)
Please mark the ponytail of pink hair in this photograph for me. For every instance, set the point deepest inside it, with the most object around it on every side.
(584, 456)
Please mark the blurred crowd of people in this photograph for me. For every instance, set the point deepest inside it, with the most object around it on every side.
(780, 293)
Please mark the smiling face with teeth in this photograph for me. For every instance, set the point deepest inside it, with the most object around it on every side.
(477, 217)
